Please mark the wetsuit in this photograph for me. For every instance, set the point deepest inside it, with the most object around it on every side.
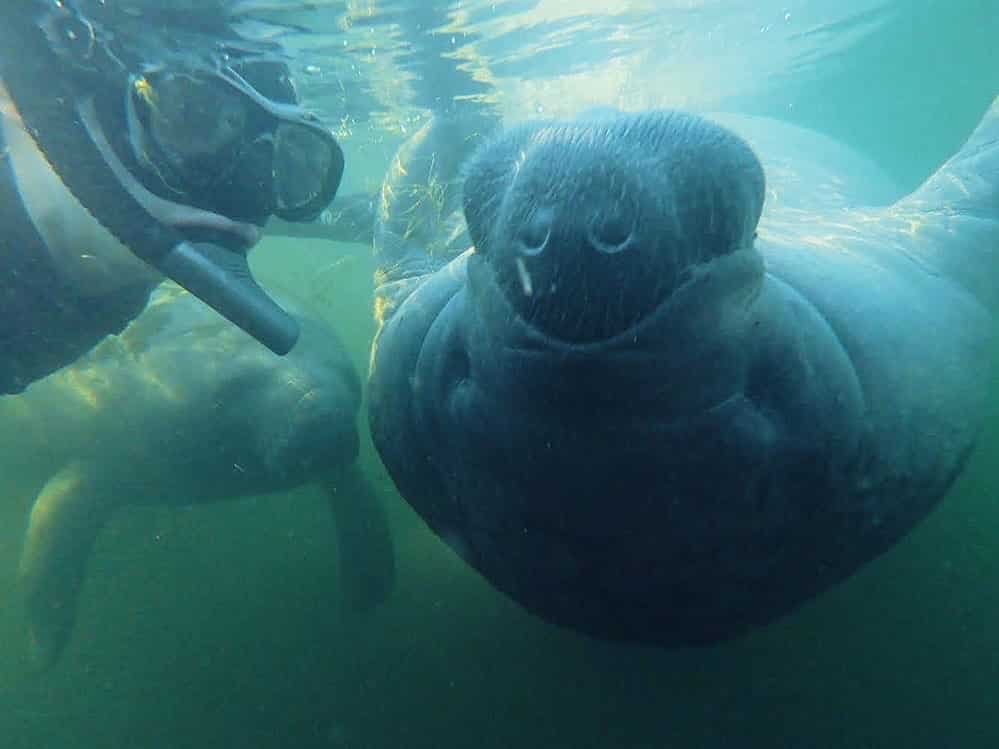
(47, 321)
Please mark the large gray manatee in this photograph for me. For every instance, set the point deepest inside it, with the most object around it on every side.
(185, 408)
(663, 399)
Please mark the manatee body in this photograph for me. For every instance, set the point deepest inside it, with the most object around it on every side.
(681, 384)
(184, 408)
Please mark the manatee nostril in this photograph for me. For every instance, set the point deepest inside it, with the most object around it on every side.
(535, 232)
(611, 233)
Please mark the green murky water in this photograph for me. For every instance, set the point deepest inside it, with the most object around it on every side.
(218, 626)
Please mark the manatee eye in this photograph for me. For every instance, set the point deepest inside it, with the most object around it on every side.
(535, 232)
(612, 232)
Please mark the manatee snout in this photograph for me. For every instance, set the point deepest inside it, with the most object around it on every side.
(589, 226)
(308, 411)
(318, 433)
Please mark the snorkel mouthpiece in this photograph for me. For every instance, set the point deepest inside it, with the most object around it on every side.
(222, 280)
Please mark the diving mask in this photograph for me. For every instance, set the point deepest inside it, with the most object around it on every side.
(213, 139)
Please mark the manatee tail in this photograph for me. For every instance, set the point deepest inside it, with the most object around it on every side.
(957, 210)
(365, 552)
(65, 519)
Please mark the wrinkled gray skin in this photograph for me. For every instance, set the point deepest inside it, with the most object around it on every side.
(184, 408)
(647, 413)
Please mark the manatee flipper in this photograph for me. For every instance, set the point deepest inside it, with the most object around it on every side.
(65, 519)
(365, 553)
(964, 193)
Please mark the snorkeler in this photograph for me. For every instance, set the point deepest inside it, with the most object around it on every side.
(132, 153)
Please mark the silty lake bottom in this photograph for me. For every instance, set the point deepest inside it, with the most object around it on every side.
(219, 626)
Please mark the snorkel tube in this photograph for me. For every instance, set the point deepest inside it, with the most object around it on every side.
(51, 60)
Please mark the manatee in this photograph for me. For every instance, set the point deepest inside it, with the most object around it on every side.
(184, 408)
(688, 371)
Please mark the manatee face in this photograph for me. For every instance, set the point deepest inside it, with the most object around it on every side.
(589, 227)
(265, 422)
(299, 411)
